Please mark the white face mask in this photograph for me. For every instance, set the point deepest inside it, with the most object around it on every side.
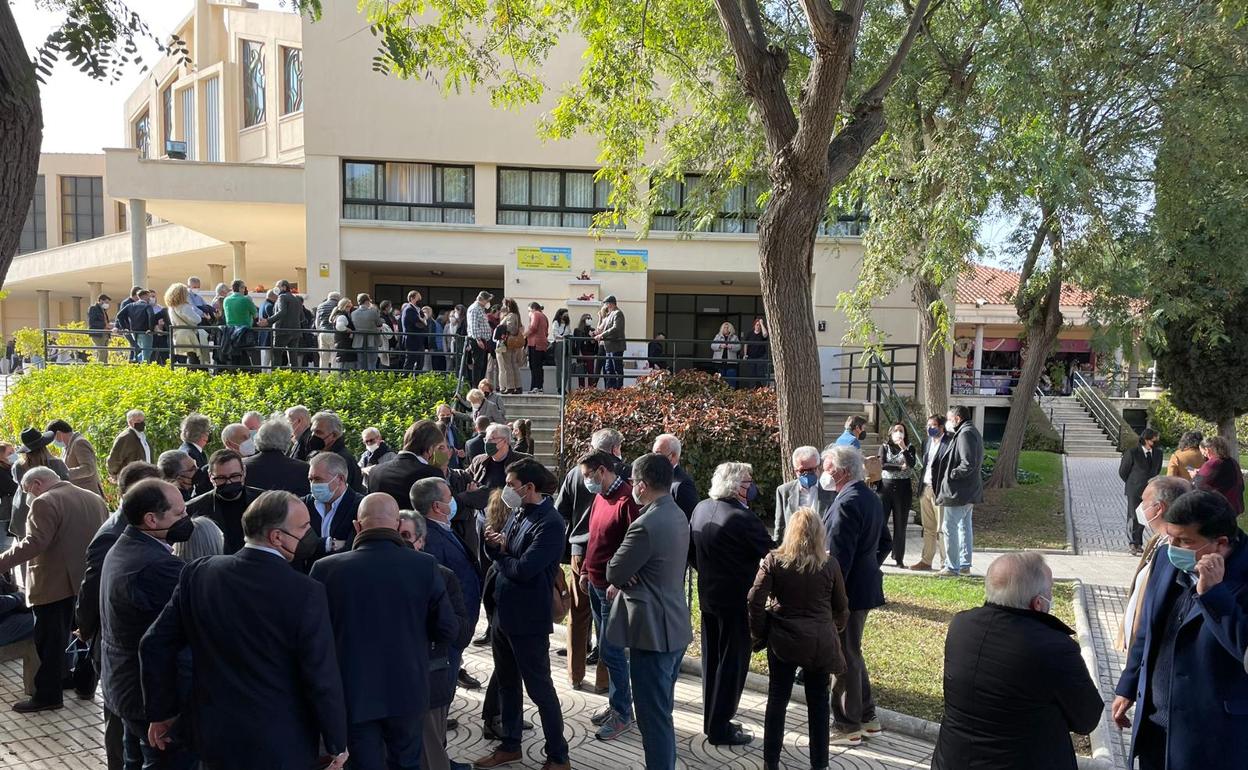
(826, 483)
(106, 305)
(512, 498)
(247, 448)
(898, 437)
(1141, 515)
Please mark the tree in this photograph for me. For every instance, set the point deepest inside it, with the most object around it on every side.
(789, 90)
(99, 37)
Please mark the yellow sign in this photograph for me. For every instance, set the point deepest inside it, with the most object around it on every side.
(543, 258)
(621, 260)
(324, 269)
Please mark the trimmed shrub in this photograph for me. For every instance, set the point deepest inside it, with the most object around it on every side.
(715, 424)
(1172, 422)
(1039, 433)
(94, 399)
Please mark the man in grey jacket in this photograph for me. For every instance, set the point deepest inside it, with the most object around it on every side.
(287, 321)
(961, 486)
(367, 320)
(803, 491)
(649, 614)
(611, 335)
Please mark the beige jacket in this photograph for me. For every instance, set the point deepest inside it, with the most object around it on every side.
(84, 468)
(59, 528)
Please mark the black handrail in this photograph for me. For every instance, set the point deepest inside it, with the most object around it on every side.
(1105, 415)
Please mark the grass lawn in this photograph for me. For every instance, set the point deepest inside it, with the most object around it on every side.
(1027, 516)
(905, 639)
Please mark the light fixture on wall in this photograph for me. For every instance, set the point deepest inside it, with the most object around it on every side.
(436, 273)
(726, 282)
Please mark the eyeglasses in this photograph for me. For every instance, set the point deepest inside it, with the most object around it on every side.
(237, 477)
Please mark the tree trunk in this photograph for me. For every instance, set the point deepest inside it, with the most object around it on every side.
(1226, 429)
(21, 133)
(1035, 351)
(786, 239)
(935, 385)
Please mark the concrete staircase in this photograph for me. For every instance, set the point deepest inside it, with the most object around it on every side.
(835, 412)
(1084, 438)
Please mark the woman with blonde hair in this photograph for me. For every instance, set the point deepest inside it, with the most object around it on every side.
(726, 350)
(511, 345)
(797, 607)
(189, 340)
(344, 335)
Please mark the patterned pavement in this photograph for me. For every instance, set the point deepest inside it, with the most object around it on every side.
(72, 738)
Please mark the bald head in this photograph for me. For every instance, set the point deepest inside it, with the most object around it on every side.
(378, 511)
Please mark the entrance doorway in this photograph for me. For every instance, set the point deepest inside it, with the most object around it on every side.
(699, 317)
(437, 297)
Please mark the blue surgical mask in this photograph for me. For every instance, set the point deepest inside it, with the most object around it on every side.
(933, 432)
(751, 494)
(594, 486)
(808, 479)
(454, 508)
(1184, 559)
(322, 493)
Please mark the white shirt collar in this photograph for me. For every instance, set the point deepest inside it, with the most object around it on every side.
(265, 548)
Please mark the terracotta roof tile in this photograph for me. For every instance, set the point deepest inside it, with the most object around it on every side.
(998, 287)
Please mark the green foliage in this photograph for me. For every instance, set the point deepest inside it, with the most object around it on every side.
(95, 398)
(101, 38)
(1172, 422)
(1206, 377)
(1039, 434)
(28, 343)
(715, 424)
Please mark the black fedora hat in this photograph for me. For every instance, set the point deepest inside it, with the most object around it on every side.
(33, 438)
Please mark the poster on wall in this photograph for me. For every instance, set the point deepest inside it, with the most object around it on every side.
(621, 260)
(543, 258)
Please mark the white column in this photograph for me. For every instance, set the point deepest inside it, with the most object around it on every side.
(240, 260)
(978, 364)
(45, 310)
(77, 308)
(137, 218)
(216, 274)
(97, 288)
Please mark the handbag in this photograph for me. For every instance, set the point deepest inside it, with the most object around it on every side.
(515, 341)
(561, 597)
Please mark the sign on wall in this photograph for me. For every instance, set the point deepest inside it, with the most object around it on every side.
(543, 258)
(621, 260)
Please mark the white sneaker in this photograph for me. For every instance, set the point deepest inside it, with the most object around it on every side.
(839, 738)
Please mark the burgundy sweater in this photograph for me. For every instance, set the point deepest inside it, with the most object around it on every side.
(609, 517)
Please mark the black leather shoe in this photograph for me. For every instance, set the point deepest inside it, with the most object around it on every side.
(31, 706)
(468, 681)
(452, 724)
(481, 640)
(737, 737)
(592, 658)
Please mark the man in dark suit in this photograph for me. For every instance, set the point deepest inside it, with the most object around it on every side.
(229, 498)
(412, 325)
(269, 467)
(423, 456)
(196, 433)
(454, 439)
(328, 436)
(287, 322)
(684, 490)
(387, 604)
(100, 325)
(934, 456)
(803, 491)
(87, 610)
(432, 499)
(1184, 672)
(139, 575)
(267, 690)
(301, 424)
(728, 541)
(476, 445)
(1139, 464)
(332, 506)
(859, 540)
(489, 470)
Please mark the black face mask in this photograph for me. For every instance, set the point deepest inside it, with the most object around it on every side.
(180, 532)
(306, 546)
(140, 426)
(316, 444)
(231, 491)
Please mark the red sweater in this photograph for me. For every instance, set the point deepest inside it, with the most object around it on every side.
(609, 517)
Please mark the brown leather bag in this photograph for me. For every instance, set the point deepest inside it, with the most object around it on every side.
(515, 341)
(561, 599)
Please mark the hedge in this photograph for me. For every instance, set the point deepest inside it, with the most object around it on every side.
(94, 399)
(1171, 422)
(715, 423)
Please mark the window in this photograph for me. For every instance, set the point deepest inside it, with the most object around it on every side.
(143, 134)
(35, 228)
(550, 198)
(845, 225)
(166, 117)
(679, 203)
(212, 118)
(684, 318)
(82, 208)
(253, 83)
(122, 226)
(407, 192)
(292, 80)
(186, 98)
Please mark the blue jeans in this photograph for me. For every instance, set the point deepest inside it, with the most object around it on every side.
(144, 341)
(959, 540)
(654, 687)
(614, 658)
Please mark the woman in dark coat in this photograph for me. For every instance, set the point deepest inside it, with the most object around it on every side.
(897, 458)
(33, 452)
(1221, 472)
(797, 606)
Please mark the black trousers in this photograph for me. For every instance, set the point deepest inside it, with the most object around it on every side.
(393, 743)
(53, 622)
(525, 660)
(779, 690)
(1135, 530)
(897, 495)
(480, 360)
(114, 731)
(725, 662)
(537, 375)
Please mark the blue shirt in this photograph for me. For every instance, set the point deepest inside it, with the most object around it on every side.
(848, 439)
(327, 519)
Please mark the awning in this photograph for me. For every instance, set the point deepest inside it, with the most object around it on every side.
(1074, 346)
(1002, 345)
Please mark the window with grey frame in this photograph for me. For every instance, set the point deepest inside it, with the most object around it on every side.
(82, 208)
(253, 83)
(550, 197)
(682, 203)
(292, 80)
(166, 117)
(143, 134)
(407, 192)
(35, 228)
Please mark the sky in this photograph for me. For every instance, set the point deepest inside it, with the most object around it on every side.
(85, 115)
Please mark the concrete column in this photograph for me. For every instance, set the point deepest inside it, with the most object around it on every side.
(216, 275)
(97, 288)
(240, 260)
(137, 219)
(301, 278)
(45, 307)
(77, 308)
(978, 364)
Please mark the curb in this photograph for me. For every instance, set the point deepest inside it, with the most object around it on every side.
(1102, 757)
(1070, 521)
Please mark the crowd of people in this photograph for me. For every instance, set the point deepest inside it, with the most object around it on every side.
(331, 619)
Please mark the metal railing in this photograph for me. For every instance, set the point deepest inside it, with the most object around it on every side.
(1040, 397)
(1102, 412)
(855, 374)
(893, 406)
(984, 382)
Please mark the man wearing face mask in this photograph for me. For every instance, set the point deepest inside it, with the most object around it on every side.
(432, 499)
(1016, 686)
(139, 575)
(237, 438)
(803, 491)
(332, 506)
(229, 497)
(1185, 673)
(855, 431)
(99, 323)
(728, 541)
(684, 489)
(262, 640)
(1139, 464)
(935, 450)
(960, 489)
(1159, 495)
(79, 456)
(328, 436)
(454, 440)
(270, 467)
(130, 445)
(489, 470)
(860, 541)
(376, 450)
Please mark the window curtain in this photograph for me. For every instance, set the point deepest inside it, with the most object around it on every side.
(513, 189)
(186, 98)
(546, 189)
(212, 118)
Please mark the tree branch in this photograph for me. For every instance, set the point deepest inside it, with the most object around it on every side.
(753, 17)
(875, 94)
(761, 72)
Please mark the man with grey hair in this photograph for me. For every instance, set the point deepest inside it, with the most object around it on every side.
(301, 428)
(803, 491)
(287, 320)
(684, 490)
(251, 420)
(332, 505)
(859, 540)
(328, 436)
(376, 450)
(728, 541)
(269, 467)
(177, 468)
(130, 445)
(1016, 685)
(196, 432)
(325, 331)
(1159, 494)
(236, 438)
(489, 470)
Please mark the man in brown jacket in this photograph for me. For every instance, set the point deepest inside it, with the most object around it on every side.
(79, 455)
(130, 445)
(62, 521)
